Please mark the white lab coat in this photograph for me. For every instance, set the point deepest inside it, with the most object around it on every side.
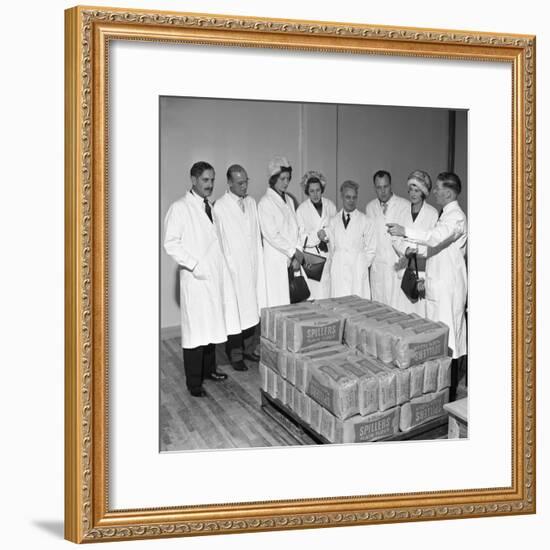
(446, 276)
(207, 299)
(242, 247)
(281, 238)
(352, 251)
(309, 223)
(385, 282)
(426, 220)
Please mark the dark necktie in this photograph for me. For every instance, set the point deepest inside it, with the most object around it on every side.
(440, 212)
(345, 219)
(208, 209)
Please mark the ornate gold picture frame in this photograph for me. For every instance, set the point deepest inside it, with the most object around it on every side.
(89, 32)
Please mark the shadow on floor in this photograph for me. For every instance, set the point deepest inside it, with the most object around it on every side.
(53, 527)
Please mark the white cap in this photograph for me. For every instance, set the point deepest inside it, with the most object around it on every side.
(276, 165)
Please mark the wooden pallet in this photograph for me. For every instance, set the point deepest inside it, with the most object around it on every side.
(306, 435)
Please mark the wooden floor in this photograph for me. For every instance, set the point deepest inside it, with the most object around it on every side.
(229, 416)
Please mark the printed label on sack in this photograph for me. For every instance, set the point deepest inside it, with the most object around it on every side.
(322, 354)
(411, 323)
(332, 373)
(369, 395)
(373, 367)
(353, 370)
(325, 333)
(397, 320)
(423, 351)
(385, 315)
(422, 412)
(366, 308)
(424, 327)
(321, 394)
(365, 363)
(375, 429)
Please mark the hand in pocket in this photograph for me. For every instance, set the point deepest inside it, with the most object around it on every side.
(200, 272)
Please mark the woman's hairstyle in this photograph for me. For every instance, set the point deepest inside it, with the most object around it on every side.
(273, 179)
(312, 176)
(422, 180)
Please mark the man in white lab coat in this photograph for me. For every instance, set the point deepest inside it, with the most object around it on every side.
(237, 220)
(207, 299)
(352, 246)
(446, 275)
(386, 208)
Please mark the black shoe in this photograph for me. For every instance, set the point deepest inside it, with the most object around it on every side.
(252, 357)
(218, 376)
(197, 392)
(239, 365)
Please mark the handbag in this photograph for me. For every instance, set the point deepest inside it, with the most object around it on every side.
(297, 286)
(314, 264)
(409, 283)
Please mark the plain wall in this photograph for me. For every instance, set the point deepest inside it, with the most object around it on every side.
(341, 141)
(222, 133)
(396, 139)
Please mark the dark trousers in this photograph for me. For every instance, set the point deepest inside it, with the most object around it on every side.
(458, 366)
(246, 342)
(198, 363)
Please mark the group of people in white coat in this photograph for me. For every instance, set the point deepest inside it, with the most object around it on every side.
(222, 282)
(235, 257)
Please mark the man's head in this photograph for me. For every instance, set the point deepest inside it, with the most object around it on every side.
(202, 178)
(349, 191)
(237, 179)
(382, 185)
(447, 188)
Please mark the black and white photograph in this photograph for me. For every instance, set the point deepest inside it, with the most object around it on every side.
(313, 273)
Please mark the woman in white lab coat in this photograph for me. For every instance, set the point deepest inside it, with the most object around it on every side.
(423, 216)
(313, 215)
(280, 234)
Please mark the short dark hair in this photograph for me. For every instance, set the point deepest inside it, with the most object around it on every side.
(233, 169)
(451, 181)
(313, 179)
(379, 174)
(273, 179)
(199, 167)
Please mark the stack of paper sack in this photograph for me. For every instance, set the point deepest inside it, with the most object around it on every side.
(354, 370)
